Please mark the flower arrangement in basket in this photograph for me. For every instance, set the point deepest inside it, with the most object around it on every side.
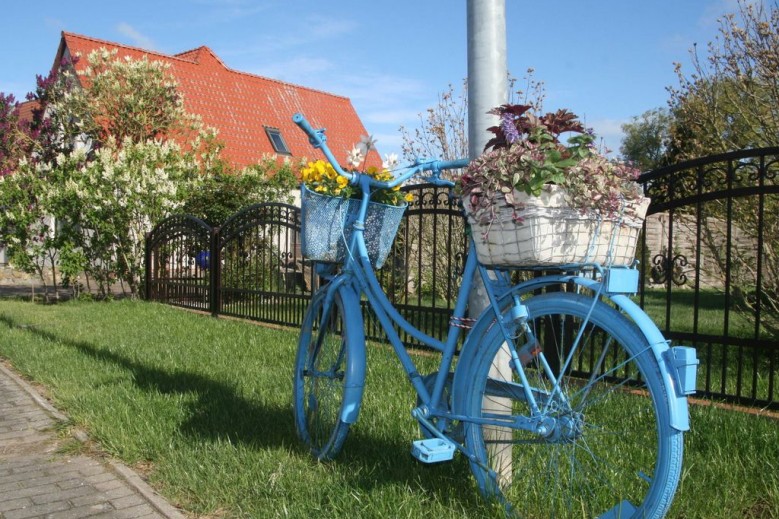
(330, 205)
(533, 201)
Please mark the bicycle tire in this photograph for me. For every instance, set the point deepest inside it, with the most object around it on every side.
(322, 374)
(612, 452)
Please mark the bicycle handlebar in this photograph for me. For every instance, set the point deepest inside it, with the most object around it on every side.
(318, 140)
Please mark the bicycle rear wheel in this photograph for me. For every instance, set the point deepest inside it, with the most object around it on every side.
(607, 450)
(323, 373)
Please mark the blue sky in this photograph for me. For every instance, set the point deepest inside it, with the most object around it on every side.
(606, 60)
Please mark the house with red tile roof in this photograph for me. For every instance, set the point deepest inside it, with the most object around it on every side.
(253, 114)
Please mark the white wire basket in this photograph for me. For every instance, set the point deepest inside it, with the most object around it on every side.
(546, 232)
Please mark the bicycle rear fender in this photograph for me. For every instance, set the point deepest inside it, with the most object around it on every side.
(677, 385)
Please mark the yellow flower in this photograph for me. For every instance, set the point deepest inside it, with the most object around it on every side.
(319, 170)
(342, 181)
(409, 197)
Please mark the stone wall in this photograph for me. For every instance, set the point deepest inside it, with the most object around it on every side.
(10, 276)
(684, 244)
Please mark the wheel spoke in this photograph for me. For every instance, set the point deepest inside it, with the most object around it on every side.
(601, 441)
(321, 377)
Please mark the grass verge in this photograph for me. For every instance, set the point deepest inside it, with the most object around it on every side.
(203, 406)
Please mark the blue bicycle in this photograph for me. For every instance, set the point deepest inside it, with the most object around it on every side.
(564, 397)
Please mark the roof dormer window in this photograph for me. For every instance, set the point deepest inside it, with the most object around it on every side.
(279, 146)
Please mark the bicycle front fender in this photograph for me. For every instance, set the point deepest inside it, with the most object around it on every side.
(356, 358)
(355, 367)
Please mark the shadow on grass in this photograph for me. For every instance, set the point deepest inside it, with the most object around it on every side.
(220, 413)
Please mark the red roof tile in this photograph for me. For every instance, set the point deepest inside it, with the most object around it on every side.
(26, 110)
(240, 105)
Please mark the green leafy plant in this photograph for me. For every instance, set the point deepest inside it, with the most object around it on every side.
(526, 154)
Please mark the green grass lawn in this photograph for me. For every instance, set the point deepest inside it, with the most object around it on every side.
(203, 406)
(711, 307)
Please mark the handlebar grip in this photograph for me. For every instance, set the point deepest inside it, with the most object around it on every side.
(318, 140)
(315, 137)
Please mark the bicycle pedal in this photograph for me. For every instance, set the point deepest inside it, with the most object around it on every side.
(432, 450)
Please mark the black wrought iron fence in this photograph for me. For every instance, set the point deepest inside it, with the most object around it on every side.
(252, 267)
(711, 275)
(709, 256)
(178, 263)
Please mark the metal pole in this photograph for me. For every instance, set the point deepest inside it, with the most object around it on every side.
(487, 68)
(488, 88)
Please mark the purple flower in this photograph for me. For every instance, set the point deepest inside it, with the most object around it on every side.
(509, 129)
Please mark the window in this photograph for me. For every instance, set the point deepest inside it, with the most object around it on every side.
(274, 134)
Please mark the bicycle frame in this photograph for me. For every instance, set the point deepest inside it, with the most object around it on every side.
(357, 267)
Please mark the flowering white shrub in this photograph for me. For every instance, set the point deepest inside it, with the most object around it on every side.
(106, 204)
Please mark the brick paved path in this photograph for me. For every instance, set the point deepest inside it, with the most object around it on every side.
(37, 481)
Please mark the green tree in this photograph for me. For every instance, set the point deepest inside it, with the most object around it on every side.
(647, 139)
(222, 192)
(129, 100)
(26, 230)
(13, 141)
(106, 204)
(731, 100)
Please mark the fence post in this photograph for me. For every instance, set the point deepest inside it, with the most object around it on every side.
(147, 270)
(215, 277)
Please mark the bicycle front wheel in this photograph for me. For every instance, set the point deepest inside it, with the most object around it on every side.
(600, 443)
(323, 371)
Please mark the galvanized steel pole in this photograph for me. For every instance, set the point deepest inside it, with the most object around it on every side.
(488, 88)
(487, 68)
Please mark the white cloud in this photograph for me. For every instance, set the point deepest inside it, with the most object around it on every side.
(54, 23)
(314, 30)
(137, 39)
(381, 88)
(391, 116)
(609, 133)
(227, 12)
(388, 143)
(678, 45)
(318, 27)
(298, 70)
(716, 10)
